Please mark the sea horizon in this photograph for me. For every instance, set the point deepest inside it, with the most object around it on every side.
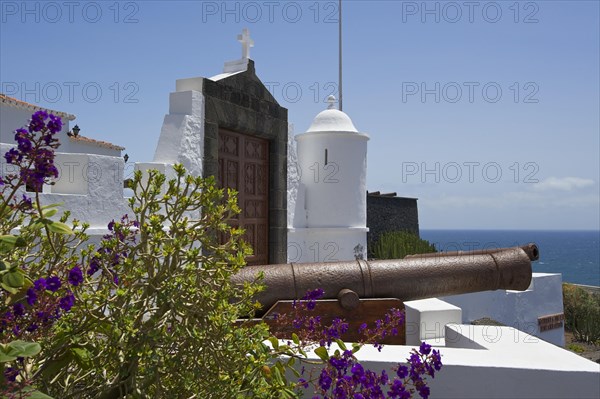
(573, 253)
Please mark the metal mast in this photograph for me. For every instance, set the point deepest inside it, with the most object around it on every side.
(340, 53)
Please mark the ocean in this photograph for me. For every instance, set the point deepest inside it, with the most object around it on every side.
(574, 254)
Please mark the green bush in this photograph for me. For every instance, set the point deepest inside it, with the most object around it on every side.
(582, 313)
(398, 244)
(158, 318)
(575, 348)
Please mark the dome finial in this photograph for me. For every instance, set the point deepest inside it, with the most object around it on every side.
(331, 100)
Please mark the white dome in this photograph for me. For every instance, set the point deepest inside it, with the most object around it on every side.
(332, 120)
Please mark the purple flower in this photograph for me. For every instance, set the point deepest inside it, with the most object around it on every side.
(11, 374)
(40, 284)
(40, 115)
(424, 391)
(38, 121)
(425, 349)
(42, 316)
(23, 143)
(13, 156)
(325, 380)
(115, 277)
(303, 383)
(27, 204)
(358, 370)
(94, 266)
(67, 302)
(437, 360)
(398, 390)
(362, 327)
(402, 371)
(31, 297)
(75, 276)
(53, 284)
(18, 309)
(55, 124)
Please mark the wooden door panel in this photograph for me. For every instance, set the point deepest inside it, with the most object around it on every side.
(244, 166)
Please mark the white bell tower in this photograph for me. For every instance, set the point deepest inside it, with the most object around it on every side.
(331, 206)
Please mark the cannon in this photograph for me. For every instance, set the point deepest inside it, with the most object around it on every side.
(361, 290)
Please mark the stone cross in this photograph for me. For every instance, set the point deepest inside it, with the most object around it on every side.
(247, 42)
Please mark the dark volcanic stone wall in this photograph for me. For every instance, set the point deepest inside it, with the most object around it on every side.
(241, 103)
(391, 214)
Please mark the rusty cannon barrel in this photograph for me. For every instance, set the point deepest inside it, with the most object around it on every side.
(404, 279)
(530, 249)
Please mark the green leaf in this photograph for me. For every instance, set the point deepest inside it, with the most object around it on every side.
(52, 205)
(25, 349)
(275, 342)
(5, 355)
(59, 228)
(321, 351)
(9, 288)
(295, 339)
(14, 279)
(288, 394)
(277, 376)
(82, 357)
(31, 393)
(15, 349)
(8, 240)
(341, 344)
(49, 213)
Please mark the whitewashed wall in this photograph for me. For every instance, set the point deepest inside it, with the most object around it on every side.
(519, 309)
(13, 118)
(482, 362)
(182, 135)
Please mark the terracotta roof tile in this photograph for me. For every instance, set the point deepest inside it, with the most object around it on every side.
(99, 143)
(11, 101)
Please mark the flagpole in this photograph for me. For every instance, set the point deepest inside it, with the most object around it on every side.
(340, 53)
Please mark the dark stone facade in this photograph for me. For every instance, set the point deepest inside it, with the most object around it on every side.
(241, 103)
(390, 213)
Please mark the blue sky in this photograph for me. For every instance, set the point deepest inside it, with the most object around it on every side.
(488, 112)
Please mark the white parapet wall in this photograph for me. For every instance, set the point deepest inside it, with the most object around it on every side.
(495, 362)
(524, 310)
